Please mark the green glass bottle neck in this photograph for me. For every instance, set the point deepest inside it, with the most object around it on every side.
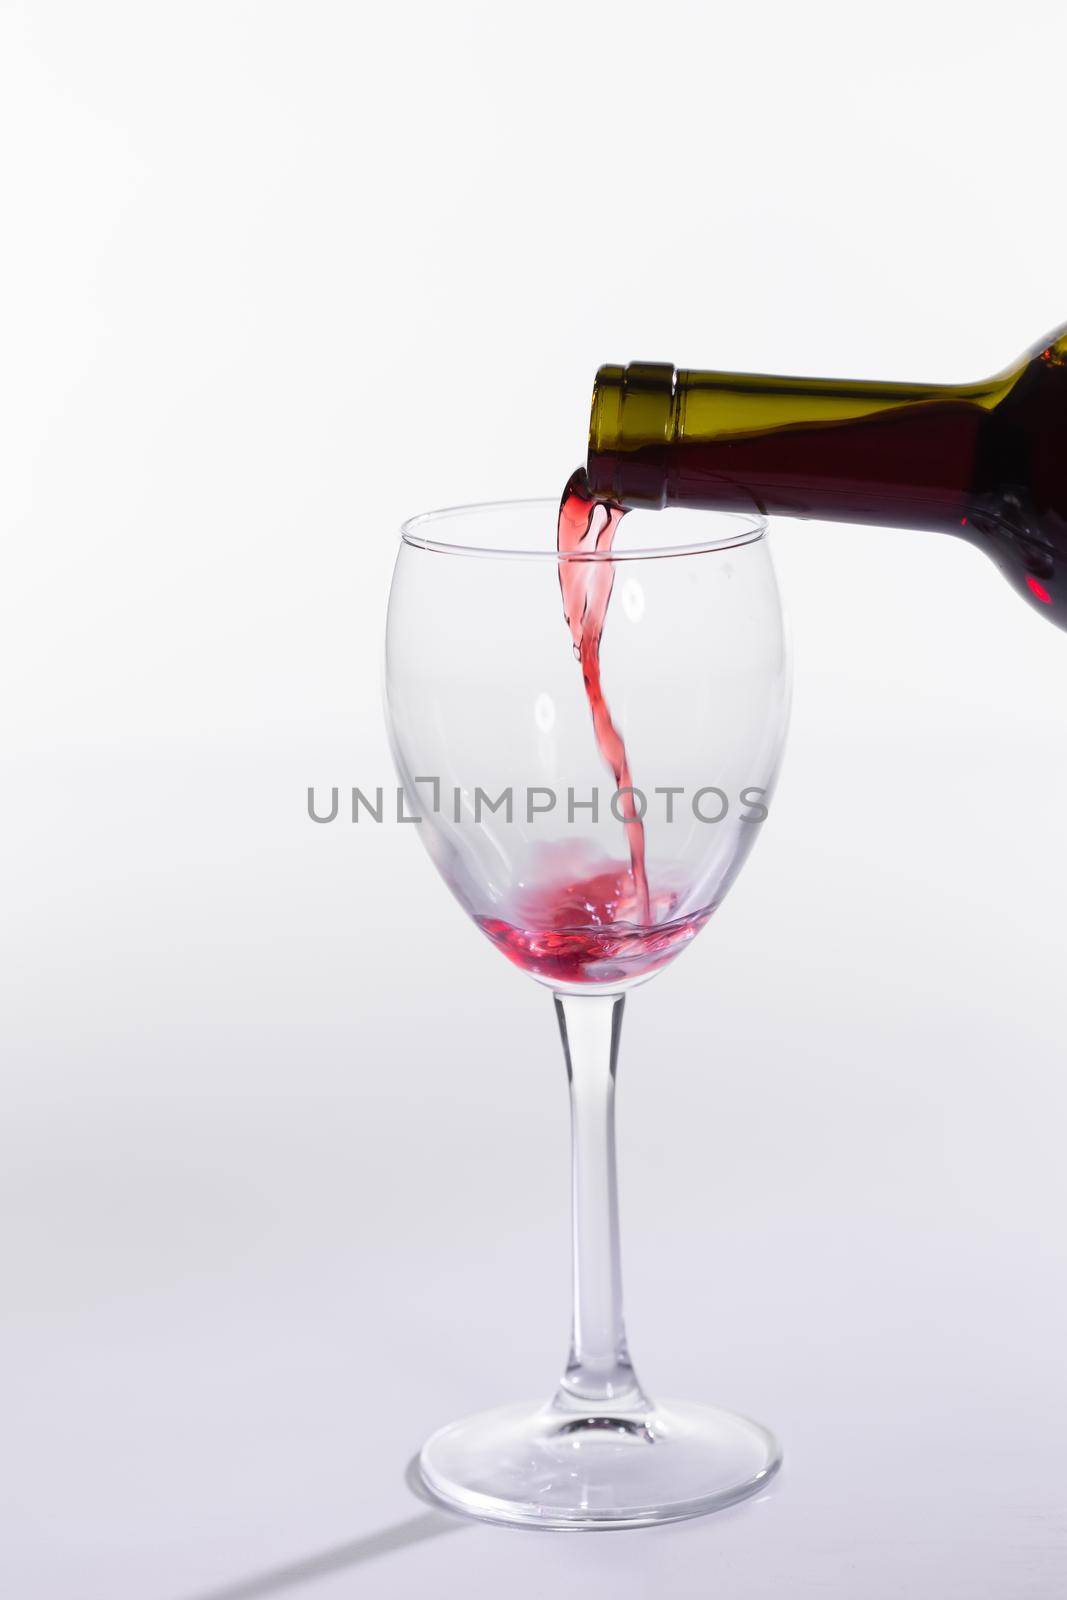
(790, 446)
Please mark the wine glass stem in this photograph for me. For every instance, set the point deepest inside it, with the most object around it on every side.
(599, 1373)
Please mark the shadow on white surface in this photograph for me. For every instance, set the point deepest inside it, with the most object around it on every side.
(325, 1563)
(397, 1536)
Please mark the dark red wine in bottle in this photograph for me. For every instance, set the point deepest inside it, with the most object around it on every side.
(986, 461)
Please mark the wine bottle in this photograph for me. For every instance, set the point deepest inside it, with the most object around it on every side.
(984, 461)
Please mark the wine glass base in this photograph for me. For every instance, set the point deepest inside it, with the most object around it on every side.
(547, 1466)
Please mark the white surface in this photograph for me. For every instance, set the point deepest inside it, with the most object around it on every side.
(283, 1159)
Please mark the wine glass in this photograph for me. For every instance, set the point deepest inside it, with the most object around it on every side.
(494, 743)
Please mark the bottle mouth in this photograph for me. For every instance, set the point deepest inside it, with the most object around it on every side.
(525, 530)
(633, 417)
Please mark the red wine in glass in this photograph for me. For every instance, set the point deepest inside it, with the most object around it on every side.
(582, 924)
(588, 525)
(586, 918)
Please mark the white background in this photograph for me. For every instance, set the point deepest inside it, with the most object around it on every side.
(283, 1151)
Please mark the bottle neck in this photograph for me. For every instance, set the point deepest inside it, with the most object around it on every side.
(898, 454)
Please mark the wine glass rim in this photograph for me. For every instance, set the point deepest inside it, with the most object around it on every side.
(748, 528)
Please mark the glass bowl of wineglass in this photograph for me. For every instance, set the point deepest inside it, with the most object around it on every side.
(589, 814)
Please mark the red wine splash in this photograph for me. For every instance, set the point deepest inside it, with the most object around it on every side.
(581, 917)
(587, 527)
(578, 924)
